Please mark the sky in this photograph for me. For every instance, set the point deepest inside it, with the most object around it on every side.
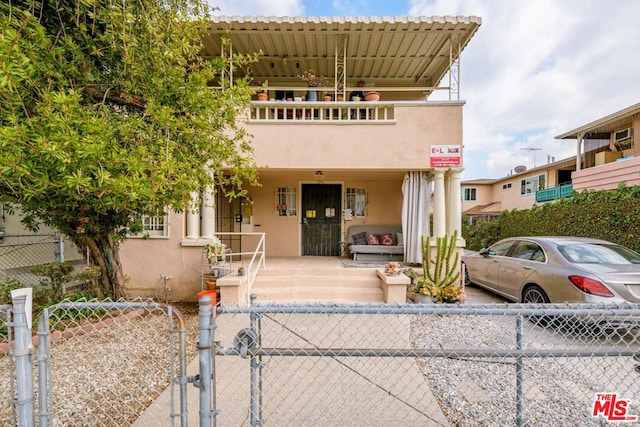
(534, 70)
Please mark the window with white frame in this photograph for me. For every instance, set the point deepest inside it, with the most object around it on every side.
(532, 184)
(506, 186)
(469, 194)
(154, 227)
(286, 201)
(356, 201)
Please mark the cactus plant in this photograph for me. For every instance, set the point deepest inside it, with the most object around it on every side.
(441, 276)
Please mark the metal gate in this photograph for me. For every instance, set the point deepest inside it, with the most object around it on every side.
(99, 363)
(432, 364)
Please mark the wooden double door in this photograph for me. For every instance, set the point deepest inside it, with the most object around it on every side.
(321, 219)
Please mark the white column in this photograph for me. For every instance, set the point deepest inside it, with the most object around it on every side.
(193, 218)
(439, 208)
(208, 218)
(454, 204)
(579, 142)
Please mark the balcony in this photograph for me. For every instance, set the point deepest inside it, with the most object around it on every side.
(329, 112)
(554, 193)
(609, 175)
(374, 135)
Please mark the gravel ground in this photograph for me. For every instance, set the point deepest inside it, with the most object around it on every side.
(476, 392)
(108, 376)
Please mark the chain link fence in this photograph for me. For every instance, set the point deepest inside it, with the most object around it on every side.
(100, 364)
(436, 364)
(8, 378)
(20, 252)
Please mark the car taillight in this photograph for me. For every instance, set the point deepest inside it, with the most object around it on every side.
(590, 286)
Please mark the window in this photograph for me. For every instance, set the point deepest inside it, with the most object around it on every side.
(506, 186)
(532, 184)
(154, 227)
(529, 251)
(501, 248)
(286, 201)
(469, 194)
(356, 201)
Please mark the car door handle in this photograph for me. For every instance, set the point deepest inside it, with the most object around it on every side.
(526, 267)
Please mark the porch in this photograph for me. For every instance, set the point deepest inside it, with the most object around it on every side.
(314, 279)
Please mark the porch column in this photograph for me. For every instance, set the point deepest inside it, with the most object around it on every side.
(579, 142)
(208, 220)
(193, 218)
(454, 205)
(439, 208)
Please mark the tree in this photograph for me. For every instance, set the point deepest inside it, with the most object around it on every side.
(108, 114)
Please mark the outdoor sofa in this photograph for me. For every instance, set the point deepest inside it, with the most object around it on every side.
(375, 242)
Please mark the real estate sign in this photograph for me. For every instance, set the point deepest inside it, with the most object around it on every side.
(445, 156)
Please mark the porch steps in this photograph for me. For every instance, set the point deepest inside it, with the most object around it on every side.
(318, 285)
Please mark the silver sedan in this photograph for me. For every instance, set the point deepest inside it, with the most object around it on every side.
(557, 270)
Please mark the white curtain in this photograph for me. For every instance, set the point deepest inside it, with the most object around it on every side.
(415, 214)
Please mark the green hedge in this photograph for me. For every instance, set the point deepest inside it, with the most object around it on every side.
(612, 215)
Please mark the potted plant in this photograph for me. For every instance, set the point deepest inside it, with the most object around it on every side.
(372, 96)
(441, 275)
(262, 94)
(313, 80)
(392, 268)
(215, 252)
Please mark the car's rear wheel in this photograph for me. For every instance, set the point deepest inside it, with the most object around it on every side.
(534, 295)
(467, 281)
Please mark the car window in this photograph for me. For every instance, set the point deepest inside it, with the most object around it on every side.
(599, 254)
(501, 248)
(528, 250)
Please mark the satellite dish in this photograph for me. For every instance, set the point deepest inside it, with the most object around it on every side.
(520, 169)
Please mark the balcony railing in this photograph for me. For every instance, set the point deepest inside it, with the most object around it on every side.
(554, 193)
(319, 112)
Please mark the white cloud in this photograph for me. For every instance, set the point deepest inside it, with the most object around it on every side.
(258, 7)
(539, 69)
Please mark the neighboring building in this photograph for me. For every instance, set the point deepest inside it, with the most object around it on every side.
(606, 156)
(618, 161)
(324, 166)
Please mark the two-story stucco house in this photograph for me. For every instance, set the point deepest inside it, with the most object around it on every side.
(606, 155)
(328, 161)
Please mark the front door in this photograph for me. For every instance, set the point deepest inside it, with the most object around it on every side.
(321, 207)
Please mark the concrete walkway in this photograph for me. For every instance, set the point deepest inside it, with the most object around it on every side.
(309, 390)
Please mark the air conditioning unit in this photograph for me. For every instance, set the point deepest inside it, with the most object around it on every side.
(622, 135)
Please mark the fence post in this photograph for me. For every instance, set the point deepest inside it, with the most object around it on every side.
(22, 353)
(204, 354)
(60, 247)
(520, 372)
(44, 369)
(256, 366)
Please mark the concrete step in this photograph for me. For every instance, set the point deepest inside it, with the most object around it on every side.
(319, 295)
(304, 285)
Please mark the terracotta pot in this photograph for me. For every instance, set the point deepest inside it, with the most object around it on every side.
(340, 97)
(372, 96)
(211, 285)
(326, 98)
(263, 96)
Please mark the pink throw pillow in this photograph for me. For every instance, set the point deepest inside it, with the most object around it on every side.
(372, 239)
(385, 239)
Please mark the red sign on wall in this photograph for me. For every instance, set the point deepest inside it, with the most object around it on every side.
(445, 156)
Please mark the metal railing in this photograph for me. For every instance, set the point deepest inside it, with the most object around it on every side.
(554, 193)
(319, 112)
(257, 255)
